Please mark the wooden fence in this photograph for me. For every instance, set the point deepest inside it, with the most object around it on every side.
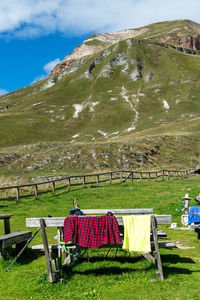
(91, 179)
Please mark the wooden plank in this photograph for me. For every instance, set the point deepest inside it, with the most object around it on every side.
(59, 221)
(5, 216)
(13, 234)
(46, 249)
(118, 211)
(166, 244)
(163, 219)
(51, 247)
(15, 238)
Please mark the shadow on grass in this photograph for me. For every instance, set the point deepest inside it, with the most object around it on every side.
(68, 271)
(167, 271)
(120, 259)
(25, 258)
(29, 256)
(175, 259)
(3, 206)
(108, 271)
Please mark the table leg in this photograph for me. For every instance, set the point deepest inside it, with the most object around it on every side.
(7, 226)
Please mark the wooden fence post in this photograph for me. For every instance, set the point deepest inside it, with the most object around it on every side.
(121, 177)
(149, 176)
(140, 176)
(156, 176)
(83, 181)
(69, 184)
(97, 180)
(131, 176)
(36, 191)
(110, 177)
(17, 194)
(53, 191)
(163, 173)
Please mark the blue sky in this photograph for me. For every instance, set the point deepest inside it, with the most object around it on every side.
(23, 61)
(36, 34)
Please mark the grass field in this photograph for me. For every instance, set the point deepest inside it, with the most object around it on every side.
(127, 277)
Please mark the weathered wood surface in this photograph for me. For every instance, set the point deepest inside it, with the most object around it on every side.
(118, 211)
(59, 221)
(5, 216)
(157, 250)
(17, 237)
(46, 249)
(6, 219)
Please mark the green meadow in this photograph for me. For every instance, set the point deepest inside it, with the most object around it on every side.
(128, 276)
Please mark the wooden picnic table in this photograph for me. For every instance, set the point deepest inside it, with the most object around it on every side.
(54, 266)
(6, 219)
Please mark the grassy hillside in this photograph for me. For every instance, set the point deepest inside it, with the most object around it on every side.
(108, 105)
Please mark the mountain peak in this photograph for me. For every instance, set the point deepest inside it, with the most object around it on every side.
(183, 33)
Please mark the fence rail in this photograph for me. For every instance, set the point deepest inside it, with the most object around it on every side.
(121, 176)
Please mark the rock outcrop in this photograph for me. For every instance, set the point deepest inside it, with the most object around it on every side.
(188, 42)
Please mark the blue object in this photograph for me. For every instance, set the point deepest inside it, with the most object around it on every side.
(194, 218)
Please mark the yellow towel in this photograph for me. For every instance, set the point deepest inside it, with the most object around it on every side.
(137, 233)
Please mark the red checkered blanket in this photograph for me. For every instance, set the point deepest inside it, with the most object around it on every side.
(91, 232)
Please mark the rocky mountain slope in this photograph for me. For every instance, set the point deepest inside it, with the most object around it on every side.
(184, 34)
(136, 89)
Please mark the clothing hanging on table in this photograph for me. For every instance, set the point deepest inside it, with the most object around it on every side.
(91, 232)
(137, 230)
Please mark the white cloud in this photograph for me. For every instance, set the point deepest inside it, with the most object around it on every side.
(50, 65)
(31, 18)
(47, 68)
(3, 92)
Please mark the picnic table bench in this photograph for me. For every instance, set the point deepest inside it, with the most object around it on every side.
(17, 238)
(53, 252)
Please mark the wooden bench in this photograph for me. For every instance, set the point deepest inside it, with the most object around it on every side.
(53, 252)
(18, 238)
